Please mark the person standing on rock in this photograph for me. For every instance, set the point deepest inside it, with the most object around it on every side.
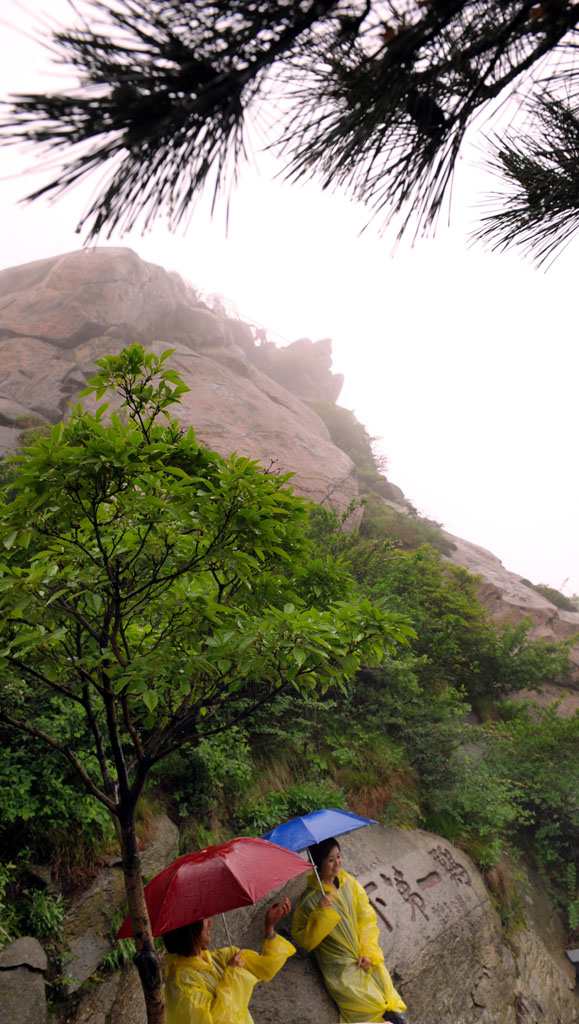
(342, 930)
(204, 987)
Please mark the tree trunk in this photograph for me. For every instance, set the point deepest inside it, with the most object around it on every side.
(146, 959)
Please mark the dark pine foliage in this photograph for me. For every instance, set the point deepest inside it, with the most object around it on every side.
(370, 95)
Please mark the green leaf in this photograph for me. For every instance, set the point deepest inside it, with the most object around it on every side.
(150, 699)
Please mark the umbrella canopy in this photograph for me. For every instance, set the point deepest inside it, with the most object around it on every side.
(213, 880)
(312, 828)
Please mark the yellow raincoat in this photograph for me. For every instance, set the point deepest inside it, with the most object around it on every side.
(204, 990)
(339, 936)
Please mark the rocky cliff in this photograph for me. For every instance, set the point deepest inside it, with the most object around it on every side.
(58, 315)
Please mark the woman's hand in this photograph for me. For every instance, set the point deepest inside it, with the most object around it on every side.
(326, 902)
(273, 914)
(365, 963)
(236, 960)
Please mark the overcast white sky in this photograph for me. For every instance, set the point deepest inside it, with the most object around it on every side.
(465, 363)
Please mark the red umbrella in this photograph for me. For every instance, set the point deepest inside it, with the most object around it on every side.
(216, 879)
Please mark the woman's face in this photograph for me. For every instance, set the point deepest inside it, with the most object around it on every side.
(330, 866)
(205, 936)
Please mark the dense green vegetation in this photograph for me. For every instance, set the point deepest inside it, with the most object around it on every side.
(153, 596)
(398, 742)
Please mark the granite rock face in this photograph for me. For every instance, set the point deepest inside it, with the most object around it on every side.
(86, 931)
(304, 368)
(58, 315)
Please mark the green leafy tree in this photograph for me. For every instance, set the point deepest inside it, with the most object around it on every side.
(517, 785)
(536, 750)
(163, 593)
(456, 644)
(375, 96)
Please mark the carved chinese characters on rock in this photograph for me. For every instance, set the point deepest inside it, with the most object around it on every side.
(389, 885)
(456, 871)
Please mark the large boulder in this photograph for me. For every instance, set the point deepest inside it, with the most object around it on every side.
(68, 299)
(441, 937)
(304, 368)
(58, 315)
(22, 991)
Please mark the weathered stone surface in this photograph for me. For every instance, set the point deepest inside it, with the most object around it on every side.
(162, 846)
(129, 1004)
(57, 316)
(13, 412)
(265, 422)
(440, 934)
(96, 1004)
(87, 926)
(242, 336)
(22, 997)
(545, 974)
(304, 368)
(71, 298)
(116, 1000)
(92, 910)
(85, 955)
(24, 952)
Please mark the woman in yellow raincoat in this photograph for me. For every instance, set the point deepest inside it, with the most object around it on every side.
(341, 929)
(203, 987)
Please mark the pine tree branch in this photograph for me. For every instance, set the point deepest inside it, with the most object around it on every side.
(378, 96)
(539, 212)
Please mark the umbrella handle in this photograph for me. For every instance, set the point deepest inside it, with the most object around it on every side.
(316, 873)
(228, 935)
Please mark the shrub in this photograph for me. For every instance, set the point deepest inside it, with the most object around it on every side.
(219, 768)
(555, 597)
(9, 928)
(279, 805)
(44, 812)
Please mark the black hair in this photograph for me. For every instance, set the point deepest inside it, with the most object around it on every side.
(319, 851)
(183, 940)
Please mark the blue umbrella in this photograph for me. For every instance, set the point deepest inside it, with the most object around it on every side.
(312, 828)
